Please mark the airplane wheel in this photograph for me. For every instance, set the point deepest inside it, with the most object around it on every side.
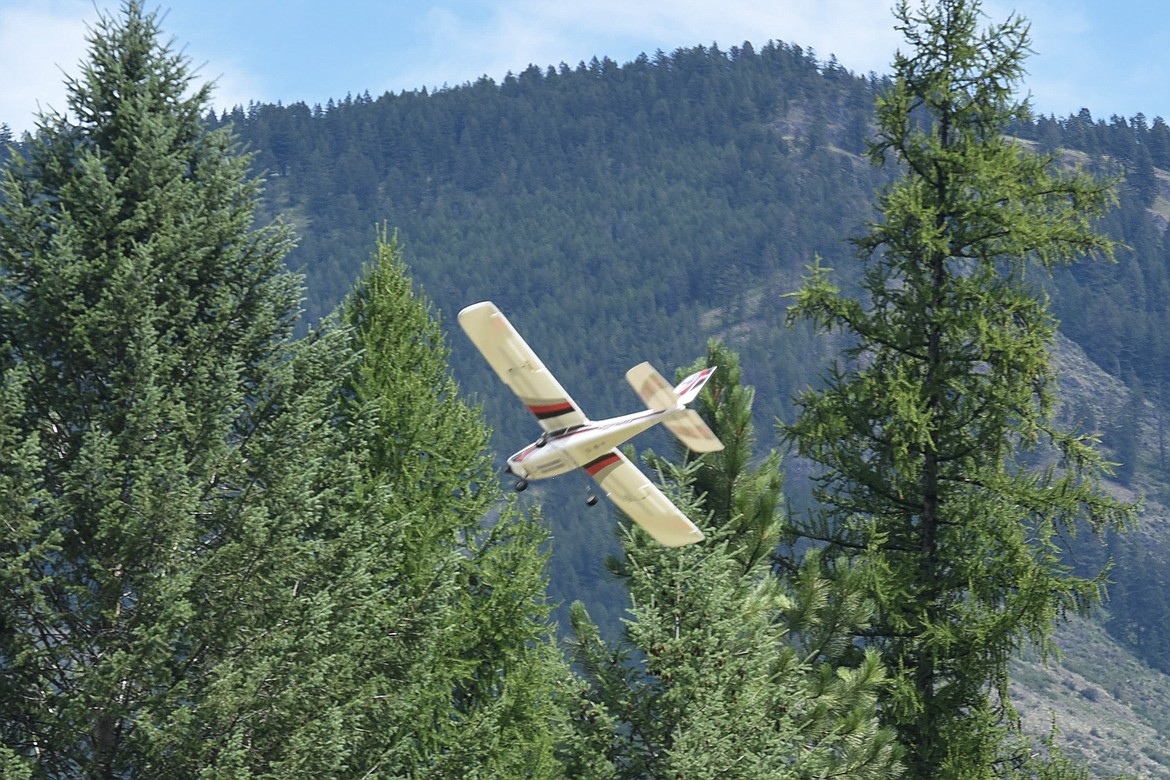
(591, 501)
(521, 486)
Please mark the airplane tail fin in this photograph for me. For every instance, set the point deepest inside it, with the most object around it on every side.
(688, 389)
(659, 396)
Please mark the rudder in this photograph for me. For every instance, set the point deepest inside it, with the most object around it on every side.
(689, 388)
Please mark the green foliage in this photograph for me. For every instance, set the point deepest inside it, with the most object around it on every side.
(453, 668)
(738, 494)
(683, 191)
(163, 448)
(654, 186)
(6, 141)
(916, 433)
(608, 209)
(716, 690)
(228, 553)
(708, 681)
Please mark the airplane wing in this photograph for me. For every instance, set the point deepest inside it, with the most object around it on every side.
(636, 495)
(519, 367)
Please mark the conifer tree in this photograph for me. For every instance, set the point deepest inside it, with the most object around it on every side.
(731, 486)
(228, 553)
(744, 494)
(6, 141)
(458, 645)
(721, 689)
(917, 431)
(170, 478)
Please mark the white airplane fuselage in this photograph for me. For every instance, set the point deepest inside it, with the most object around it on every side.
(562, 451)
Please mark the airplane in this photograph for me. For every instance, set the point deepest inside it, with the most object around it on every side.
(571, 440)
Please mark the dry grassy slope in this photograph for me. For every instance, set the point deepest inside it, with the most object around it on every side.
(1111, 709)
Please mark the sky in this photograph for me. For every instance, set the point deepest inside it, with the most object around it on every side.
(1110, 56)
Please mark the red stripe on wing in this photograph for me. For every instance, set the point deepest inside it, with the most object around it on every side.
(551, 410)
(594, 466)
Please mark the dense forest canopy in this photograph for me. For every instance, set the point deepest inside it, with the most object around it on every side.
(624, 211)
(636, 198)
(683, 184)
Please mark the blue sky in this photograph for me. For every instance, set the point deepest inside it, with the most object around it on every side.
(1110, 56)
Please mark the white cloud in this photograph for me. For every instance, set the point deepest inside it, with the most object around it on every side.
(39, 44)
(860, 32)
(43, 40)
(232, 83)
(508, 35)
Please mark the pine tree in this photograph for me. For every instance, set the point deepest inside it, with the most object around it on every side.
(457, 644)
(744, 494)
(6, 141)
(735, 490)
(720, 688)
(916, 432)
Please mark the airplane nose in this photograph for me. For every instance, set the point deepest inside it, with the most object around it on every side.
(516, 470)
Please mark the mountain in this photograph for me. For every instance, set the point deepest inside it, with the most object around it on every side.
(1107, 692)
(621, 213)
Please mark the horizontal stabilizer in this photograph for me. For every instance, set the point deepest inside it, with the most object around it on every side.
(652, 388)
(657, 393)
(689, 427)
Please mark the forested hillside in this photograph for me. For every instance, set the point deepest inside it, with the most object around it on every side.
(626, 212)
(622, 201)
(617, 213)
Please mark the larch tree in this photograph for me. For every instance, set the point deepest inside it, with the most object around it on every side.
(919, 429)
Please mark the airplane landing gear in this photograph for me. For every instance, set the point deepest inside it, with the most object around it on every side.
(591, 500)
(521, 486)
